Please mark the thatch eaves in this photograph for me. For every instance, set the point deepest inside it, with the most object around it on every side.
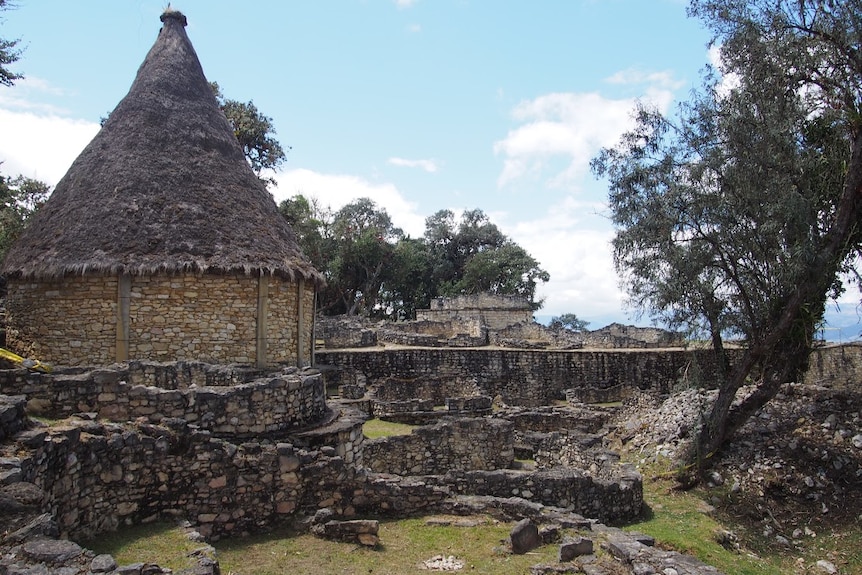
(164, 187)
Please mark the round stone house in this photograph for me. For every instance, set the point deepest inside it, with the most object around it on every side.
(160, 242)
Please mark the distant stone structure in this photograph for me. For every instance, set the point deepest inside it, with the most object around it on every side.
(481, 320)
(494, 312)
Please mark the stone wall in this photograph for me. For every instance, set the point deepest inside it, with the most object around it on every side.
(618, 336)
(539, 377)
(272, 405)
(606, 500)
(462, 444)
(518, 377)
(836, 366)
(70, 321)
(214, 318)
(99, 476)
(492, 311)
(11, 416)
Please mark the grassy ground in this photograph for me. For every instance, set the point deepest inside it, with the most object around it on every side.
(686, 522)
(374, 428)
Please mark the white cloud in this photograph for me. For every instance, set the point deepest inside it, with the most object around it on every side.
(41, 146)
(572, 127)
(414, 28)
(427, 165)
(576, 253)
(729, 81)
(337, 190)
(402, 4)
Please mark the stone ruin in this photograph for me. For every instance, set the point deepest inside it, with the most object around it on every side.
(233, 450)
(482, 320)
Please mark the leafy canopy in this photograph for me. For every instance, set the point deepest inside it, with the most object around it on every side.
(9, 54)
(373, 269)
(739, 216)
(255, 132)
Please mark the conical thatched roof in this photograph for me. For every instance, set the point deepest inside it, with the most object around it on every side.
(163, 187)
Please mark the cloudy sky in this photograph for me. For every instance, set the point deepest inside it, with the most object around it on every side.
(420, 105)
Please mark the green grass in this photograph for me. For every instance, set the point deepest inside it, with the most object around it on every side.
(374, 428)
(683, 521)
(679, 520)
(157, 543)
(405, 544)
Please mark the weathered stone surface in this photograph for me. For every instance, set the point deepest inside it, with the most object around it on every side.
(362, 531)
(576, 546)
(103, 564)
(52, 550)
(524, 537)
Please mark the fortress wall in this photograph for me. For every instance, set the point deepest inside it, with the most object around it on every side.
(538, 377)
(519, 377)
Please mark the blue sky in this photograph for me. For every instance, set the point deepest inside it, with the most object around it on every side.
(420, 105)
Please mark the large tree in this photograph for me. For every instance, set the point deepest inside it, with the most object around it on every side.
(20, 197)
(364, 241)
(372, 269)
(740, 215)
(473, 255)
(255, 132)
(9, 54)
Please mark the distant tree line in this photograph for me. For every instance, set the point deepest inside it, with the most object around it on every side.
(375, 270)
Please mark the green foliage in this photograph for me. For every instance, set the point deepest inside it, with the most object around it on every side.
(9, 54)
(374, 270)
(570, 322)
(739, 215)
(20, 197)
(255, 133)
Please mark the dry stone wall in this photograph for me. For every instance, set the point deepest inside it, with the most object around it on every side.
(465, 443)
(836, 366)
(534, 378)
(267, 406)
(69, 321)
(213, 318)
(518, 377)
(493, 311)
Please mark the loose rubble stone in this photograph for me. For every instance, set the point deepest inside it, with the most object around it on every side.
(103, 564)
(52, 550)
(524, 537)
(572, 547)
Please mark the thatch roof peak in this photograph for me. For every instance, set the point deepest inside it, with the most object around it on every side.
(163, 187)
(170, 13)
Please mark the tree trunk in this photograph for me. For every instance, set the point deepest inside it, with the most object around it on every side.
(782, 355)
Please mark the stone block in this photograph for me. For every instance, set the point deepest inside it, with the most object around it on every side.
(572, 547)
(524, 537)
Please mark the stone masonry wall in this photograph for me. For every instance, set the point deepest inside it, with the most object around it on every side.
(519, 377)
(100, 476)
(464, 444)
(836, 366)
(69, 321)
(267, 406)
(73, 321)
(538, 377)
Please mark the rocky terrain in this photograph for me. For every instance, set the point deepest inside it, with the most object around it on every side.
(793, 471)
